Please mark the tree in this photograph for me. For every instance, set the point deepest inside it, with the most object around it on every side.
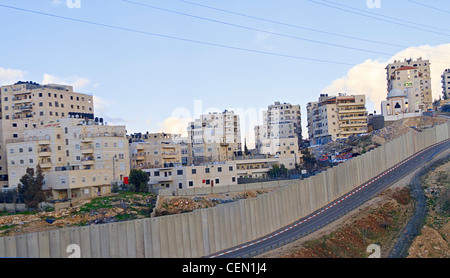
(309, 161)
(139, 179)
(30, 188)
(278, 171)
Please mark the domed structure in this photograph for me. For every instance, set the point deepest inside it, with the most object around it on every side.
(396, 93)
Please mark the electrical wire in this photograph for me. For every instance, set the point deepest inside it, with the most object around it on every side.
(292, 25)
(428, 6)
(256, 29)
(179, 38)
(379, 19)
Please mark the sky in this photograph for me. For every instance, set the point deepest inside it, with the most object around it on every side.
(154, 65)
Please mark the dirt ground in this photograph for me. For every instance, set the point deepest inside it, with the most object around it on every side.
(113, 208)
(434, 238)
(174, 205)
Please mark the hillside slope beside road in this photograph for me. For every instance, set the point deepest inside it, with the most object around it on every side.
(335, 210)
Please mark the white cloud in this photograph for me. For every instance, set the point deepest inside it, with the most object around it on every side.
(369, 77)
(101, 106)
(175, 125)
(56, 2)
(10, 76)
(75, 81)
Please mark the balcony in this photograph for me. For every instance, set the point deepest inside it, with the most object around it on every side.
(86, 139)
(87, 161)
(140, 147)
(87, 150)
(45, 152)
(353, 124)
(139, 158)
(46, 165)
(361, 110)
(23, 108)
(44, 142)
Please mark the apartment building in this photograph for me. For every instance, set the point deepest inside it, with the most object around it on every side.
(80, 158)
(336, 117)
(207, 175)
(154, 150)
(214, 137)
(28, 106)
(412, 77)
(446, 84)
(281, 132)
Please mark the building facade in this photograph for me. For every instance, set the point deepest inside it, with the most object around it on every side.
(398, 106)
(336, 117)
(412, 77)
(208, 175)
(281, 131)
(27, 106)
(446, 84)
(214, 137)
(79, 158)
(154, 150)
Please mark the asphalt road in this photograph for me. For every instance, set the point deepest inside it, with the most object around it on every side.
(335, 209)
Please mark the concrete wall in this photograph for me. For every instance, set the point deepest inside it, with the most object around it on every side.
(207, 231)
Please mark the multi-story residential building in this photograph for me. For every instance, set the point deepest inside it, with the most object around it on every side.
(29, 106)
(336, 117)
(208, 175)
(80, 158)
(281, 132)
(412, 77)
(214, 137)
(446, 84)
(154, 150)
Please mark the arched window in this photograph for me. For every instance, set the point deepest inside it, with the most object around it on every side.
(397, 106)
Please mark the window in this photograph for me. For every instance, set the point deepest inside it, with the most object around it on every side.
(231, 168)
(217, 181)
(20, 150)
(30, 149)
(194, 171)
(191, 183)
(219, 169)
(180, 185)
(179, 172)
(208, 181)
(233, 179)
(156, 173)
(31, 161)
(206, 170)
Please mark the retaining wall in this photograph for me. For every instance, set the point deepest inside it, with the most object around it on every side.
(203, 232)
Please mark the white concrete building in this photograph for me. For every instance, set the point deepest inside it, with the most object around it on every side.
(446, 84)
(79, 158)
(398, 105)
(281, 131)
(214, 137)
(412, 77)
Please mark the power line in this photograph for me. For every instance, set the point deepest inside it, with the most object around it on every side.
(256, 29)
(389, 17)
(428, 6)
(291, 25)
(379, 19)
(180, 39)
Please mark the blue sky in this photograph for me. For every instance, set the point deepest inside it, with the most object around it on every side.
(148, 82)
